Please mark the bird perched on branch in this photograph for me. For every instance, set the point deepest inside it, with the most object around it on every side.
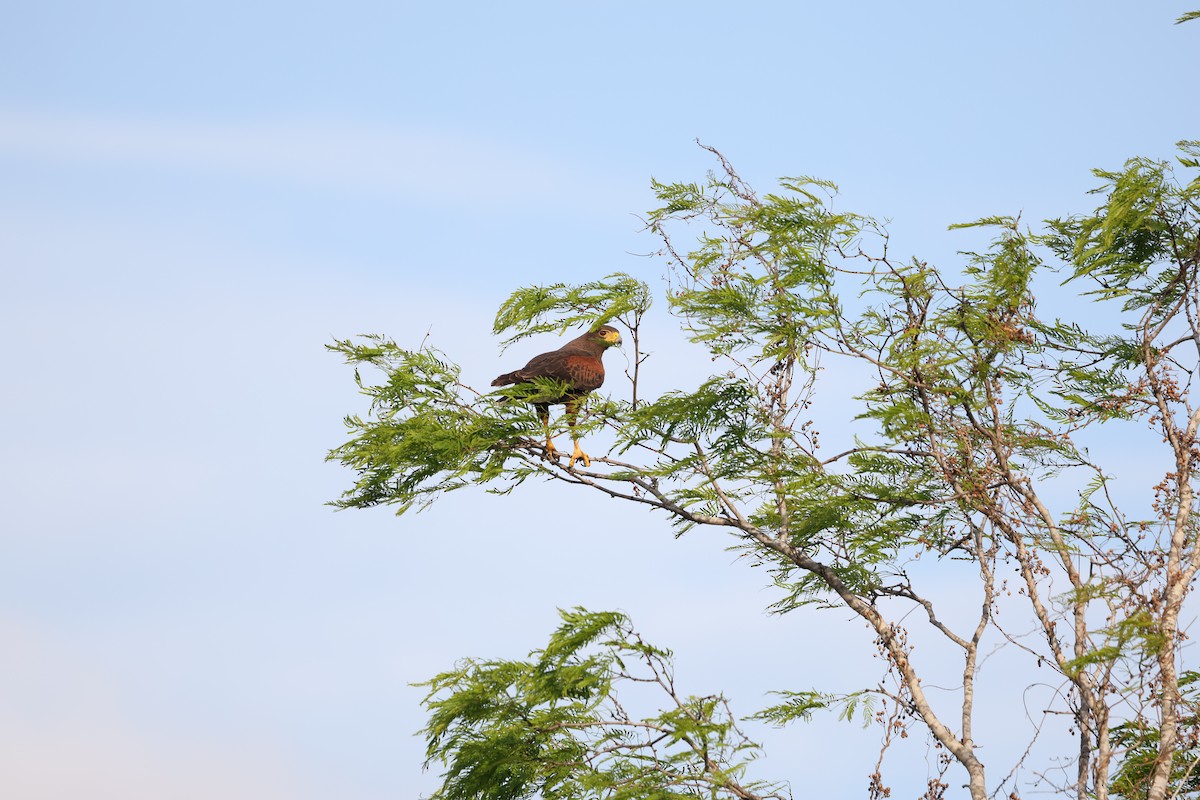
(577, 366)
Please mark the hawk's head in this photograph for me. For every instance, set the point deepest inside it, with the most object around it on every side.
(608, 336)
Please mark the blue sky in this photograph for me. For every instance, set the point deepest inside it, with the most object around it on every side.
(197, 197)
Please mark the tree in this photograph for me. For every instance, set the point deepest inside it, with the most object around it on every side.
(972, 451)
(555, 725)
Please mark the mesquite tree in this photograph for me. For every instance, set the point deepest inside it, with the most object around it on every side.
(968, 449)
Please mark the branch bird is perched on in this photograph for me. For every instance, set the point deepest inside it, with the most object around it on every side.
(577, 366)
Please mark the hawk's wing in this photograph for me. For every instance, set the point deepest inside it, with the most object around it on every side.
(582, 373)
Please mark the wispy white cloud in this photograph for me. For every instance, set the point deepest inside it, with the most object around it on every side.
(428, 165)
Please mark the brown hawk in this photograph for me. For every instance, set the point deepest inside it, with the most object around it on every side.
(578, 367)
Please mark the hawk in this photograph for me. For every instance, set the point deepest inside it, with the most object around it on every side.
(577, 365)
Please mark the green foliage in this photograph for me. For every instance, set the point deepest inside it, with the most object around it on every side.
(427, 433)
(1140, 743)
(1129, 638)
(1130, 245)
(554, 726)
(799, 707)
(719, 412)
(762, 283)
(560, 307)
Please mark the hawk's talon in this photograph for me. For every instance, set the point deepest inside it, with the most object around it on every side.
(578, 455)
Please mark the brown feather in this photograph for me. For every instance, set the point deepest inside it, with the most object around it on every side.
(576, 364)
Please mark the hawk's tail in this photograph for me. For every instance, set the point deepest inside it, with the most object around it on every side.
(507, 378)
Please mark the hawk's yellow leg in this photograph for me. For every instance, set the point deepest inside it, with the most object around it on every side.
(577, 454)
(544, 415)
